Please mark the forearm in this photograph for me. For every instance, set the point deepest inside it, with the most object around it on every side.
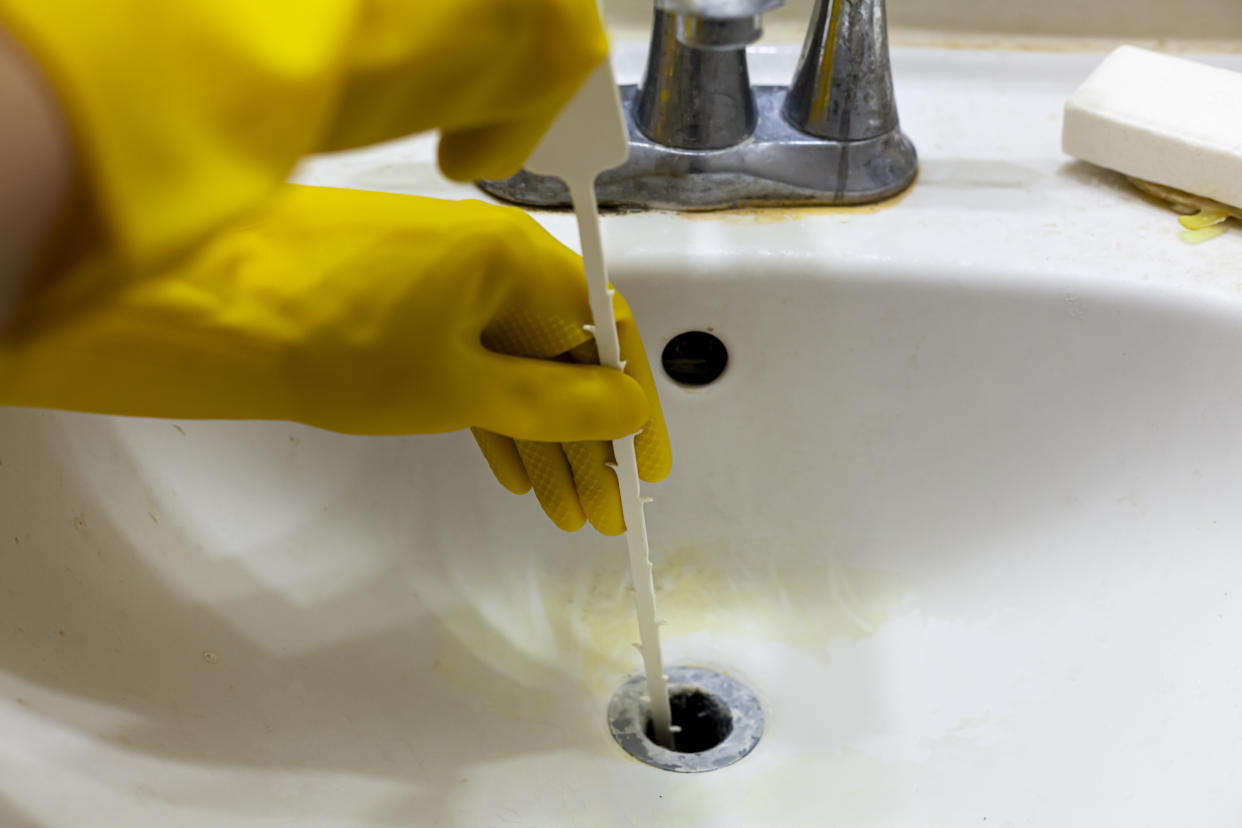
(36, 170)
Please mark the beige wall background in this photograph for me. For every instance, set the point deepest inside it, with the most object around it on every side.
(1201, 23)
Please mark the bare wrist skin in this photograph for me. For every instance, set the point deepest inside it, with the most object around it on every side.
(36, 170)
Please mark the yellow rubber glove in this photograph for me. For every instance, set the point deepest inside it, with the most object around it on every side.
(188, 113)
(572, 480)
(366, 313)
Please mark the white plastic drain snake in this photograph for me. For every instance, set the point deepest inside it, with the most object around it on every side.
(588, 137)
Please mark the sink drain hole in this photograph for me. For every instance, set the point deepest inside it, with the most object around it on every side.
(719, 718)
(703, 721)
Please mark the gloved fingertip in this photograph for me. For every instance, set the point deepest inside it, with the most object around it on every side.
(656, 474)
(567, 522)
(549, 471)
(655, 456)
(504, 460)
(610, 528)
(557, 402)
(468, 170)
(592, 462)
(514, 487)
(658, 477)
(631, 407)
(471, 156)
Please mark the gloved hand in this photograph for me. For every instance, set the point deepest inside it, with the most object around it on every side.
(572, 480)
(365, 313)
(189, 113)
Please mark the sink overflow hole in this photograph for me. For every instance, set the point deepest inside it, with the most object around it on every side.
(704, 720)
(694, 358)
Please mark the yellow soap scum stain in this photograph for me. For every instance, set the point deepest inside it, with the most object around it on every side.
(578, 625)
(1203, 218)
(774, 214)
(749, 213)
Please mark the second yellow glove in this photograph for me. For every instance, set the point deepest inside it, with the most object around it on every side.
(186, 114)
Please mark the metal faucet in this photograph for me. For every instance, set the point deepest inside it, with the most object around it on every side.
(701, 137)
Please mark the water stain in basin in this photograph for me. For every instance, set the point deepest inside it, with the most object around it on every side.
(807, 602)
(578, 623)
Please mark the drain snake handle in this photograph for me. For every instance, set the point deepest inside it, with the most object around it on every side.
(626, 468)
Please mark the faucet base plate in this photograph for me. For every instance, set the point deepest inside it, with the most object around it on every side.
(777, 165)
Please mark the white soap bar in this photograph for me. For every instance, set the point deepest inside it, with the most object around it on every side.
(1161, 118)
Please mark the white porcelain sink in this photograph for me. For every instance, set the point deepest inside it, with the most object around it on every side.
(965, 511)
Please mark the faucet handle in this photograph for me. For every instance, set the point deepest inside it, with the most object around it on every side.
(691, 98)
(719, 9)
(843, 87)
(718, 25)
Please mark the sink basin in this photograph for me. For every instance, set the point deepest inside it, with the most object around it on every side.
(962, 511)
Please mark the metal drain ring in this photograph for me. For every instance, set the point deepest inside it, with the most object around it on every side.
(630, 707)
